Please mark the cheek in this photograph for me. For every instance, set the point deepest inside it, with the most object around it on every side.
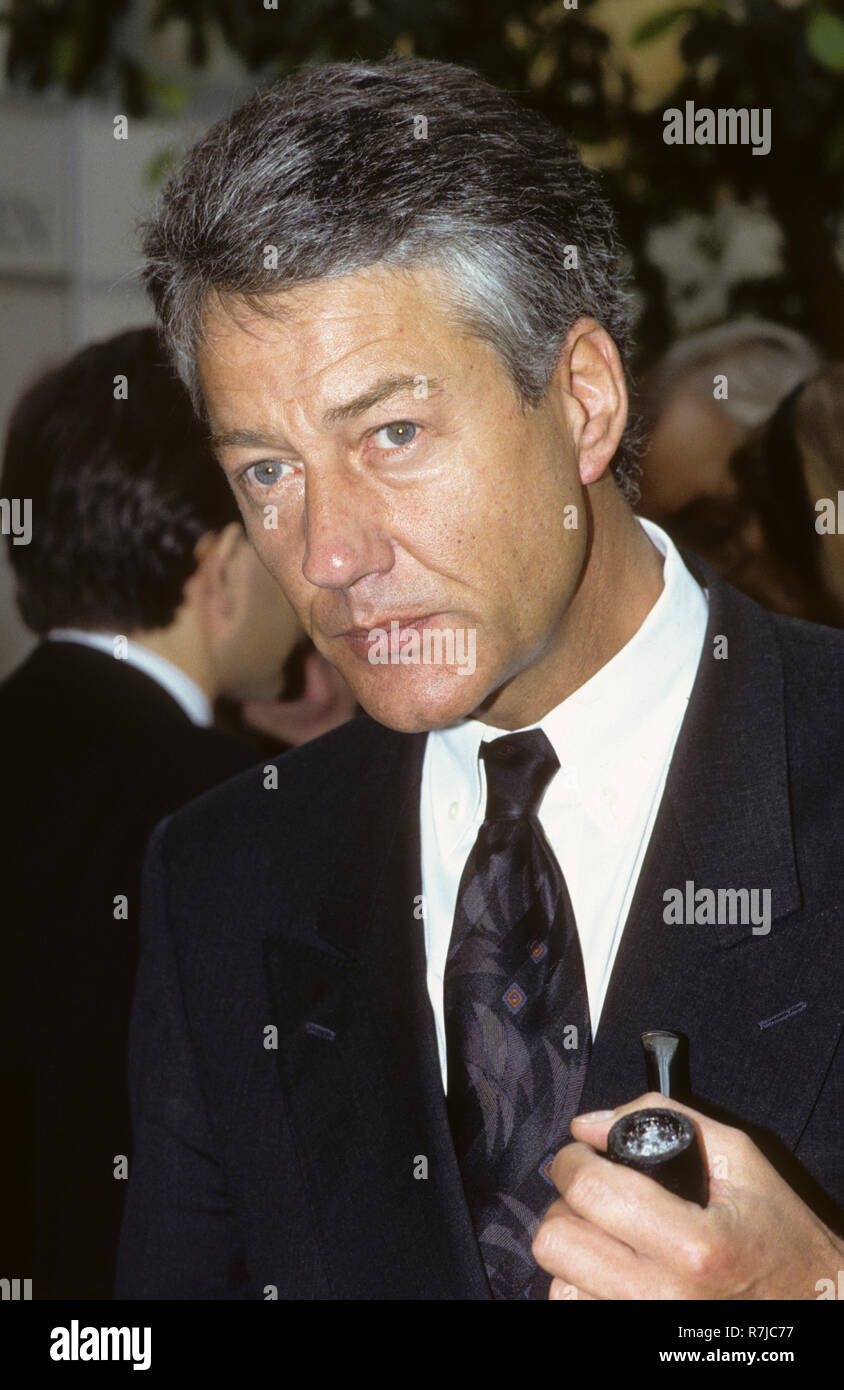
(467, 521)
(278, 555)
(267, 531)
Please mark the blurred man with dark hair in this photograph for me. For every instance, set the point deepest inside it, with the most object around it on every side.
(151, 602)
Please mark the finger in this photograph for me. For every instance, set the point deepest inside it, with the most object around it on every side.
(715, 1137)
(630, 1207)
(594, 1127)
(560, 1290)
(582, 1256)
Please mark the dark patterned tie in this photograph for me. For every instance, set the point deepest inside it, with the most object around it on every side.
(518, 1035)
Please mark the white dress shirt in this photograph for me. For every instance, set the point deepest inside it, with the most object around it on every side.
(614, 737)
(172, 678)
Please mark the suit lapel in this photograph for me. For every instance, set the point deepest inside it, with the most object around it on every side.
(358, 1058)
(357, 1049)
(758, 1008)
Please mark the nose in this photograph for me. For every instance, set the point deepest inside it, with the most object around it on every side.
(344, 538)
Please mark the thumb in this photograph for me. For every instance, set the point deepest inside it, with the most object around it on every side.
(594, 1127)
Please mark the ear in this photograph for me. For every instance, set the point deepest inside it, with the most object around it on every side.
(218, 579)
(594, 380)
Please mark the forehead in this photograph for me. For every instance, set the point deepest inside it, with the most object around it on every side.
(320, 334)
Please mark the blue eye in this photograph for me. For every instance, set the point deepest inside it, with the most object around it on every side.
(399, 432)
(267, 472)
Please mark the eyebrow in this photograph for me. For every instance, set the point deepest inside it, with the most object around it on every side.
(380, 391)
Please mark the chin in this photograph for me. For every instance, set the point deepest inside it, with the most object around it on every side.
(410, 705)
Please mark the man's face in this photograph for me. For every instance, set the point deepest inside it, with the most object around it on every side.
(386, 473)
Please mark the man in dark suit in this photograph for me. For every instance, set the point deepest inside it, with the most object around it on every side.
(151, 602)
(382, 989)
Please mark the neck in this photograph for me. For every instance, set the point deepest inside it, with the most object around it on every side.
(619, 583)
(181, 642)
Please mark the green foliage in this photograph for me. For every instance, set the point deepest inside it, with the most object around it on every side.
(161, 164)
(69, 43)
(658, 24)
(825, 39)
(735, 53)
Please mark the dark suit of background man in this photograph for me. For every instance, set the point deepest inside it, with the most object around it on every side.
(474, 895)
(151, 602)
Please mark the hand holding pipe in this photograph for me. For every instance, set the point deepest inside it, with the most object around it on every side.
(662, 1143)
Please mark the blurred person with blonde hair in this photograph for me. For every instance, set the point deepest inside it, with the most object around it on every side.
(700, 402)
(790, 480)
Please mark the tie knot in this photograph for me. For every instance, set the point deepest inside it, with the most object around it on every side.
(518, 770)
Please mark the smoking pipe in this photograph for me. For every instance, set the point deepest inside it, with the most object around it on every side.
(663, 1143)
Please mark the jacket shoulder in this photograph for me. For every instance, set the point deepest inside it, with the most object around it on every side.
(813, 672)
(301, 794)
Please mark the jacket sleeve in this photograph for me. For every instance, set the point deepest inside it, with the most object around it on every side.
(820, 1149)
(177, 1239)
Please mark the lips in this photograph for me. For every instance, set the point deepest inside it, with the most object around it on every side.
(404, 620)
(395, 627)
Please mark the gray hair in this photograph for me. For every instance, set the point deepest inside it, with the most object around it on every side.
(405, 162)
(763, 361)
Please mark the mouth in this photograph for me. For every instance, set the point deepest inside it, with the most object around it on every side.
(396, 626)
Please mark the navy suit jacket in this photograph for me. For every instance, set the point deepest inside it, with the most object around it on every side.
(94, 753)
(287, 916)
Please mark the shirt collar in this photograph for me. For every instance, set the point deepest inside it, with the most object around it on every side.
(645, 686)
(170, 677)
